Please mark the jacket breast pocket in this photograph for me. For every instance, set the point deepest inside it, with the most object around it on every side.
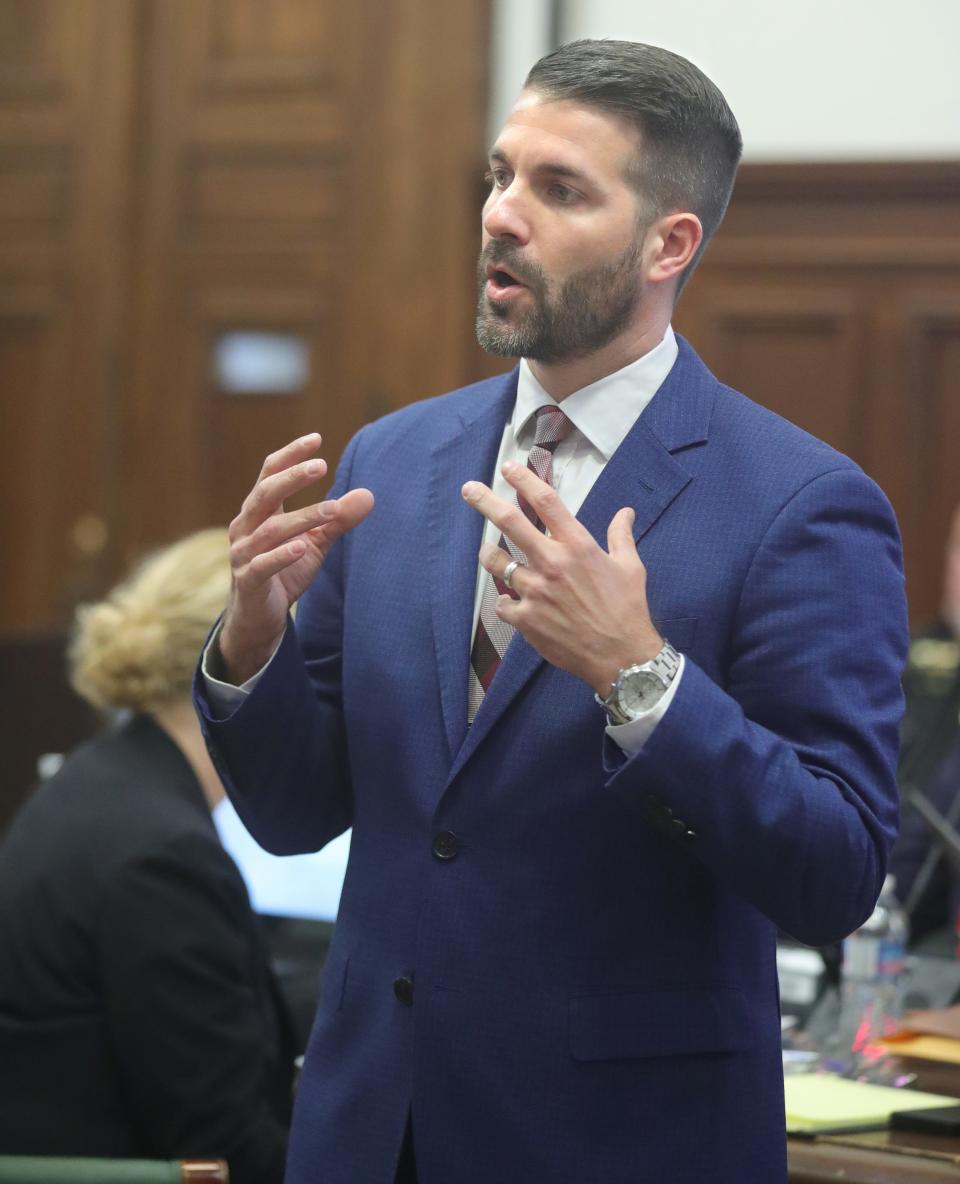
(679, 631)
(659, 1022)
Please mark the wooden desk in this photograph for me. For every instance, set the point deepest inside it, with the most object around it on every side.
(882, 1157)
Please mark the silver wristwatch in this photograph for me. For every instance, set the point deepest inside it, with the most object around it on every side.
(638, 688)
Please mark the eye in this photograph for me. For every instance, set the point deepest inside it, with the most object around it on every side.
(497, 178)
(562, 193)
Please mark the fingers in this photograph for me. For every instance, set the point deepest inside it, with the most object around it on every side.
(508, 517)
(545, 501)
(290, 454)
(346, 513)
(620, 540)
(269, 494)
(281, 528)
(281, 540)
(264, 564)
(284, 473)
(497, 561)
(265, 539)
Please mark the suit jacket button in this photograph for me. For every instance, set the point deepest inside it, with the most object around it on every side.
(445, 845)
(658, 814)
(403, 989)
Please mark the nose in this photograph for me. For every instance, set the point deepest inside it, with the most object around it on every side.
(505, 215)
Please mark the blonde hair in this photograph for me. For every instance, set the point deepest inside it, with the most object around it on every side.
(138, 647)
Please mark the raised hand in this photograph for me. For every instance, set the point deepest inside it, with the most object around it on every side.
(275, 553)
(582, 608)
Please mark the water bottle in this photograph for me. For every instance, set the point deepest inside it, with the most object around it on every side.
(871, 982)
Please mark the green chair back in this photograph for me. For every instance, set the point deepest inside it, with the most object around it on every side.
(31, 1169)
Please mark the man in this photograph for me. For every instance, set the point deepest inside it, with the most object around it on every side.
(554, 960)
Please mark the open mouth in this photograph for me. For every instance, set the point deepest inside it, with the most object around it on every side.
(503, 279)
(500, 280)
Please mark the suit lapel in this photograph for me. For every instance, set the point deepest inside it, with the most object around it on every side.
(466, 450)
(643, 473)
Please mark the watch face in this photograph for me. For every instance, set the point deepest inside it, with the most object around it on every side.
(640, 691)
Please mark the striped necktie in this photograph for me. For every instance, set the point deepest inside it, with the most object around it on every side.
(493, 635)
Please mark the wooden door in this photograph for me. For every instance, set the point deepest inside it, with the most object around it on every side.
(65, 109)
(309, 174)
(222, 223)
(184, 182)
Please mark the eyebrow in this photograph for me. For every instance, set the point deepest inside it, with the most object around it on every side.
(553, 169)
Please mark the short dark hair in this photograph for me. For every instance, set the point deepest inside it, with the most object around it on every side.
(691, 142)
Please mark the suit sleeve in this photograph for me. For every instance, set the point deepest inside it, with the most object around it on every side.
(195, 1039)
(785, 775)
(282, 753)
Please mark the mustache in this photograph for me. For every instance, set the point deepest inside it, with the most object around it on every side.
(499, 254)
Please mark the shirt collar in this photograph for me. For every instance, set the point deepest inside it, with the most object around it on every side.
(606, 410)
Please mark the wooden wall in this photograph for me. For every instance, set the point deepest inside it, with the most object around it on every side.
(66, 91)
(832, 295)
(174, 171)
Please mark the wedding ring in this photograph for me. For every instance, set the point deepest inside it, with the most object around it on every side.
(509, 570)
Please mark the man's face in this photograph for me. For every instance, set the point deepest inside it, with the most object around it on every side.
(560, 272)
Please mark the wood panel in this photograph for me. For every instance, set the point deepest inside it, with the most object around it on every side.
(175, 171)
(171, 172)
(64, 110)
(307, 171)
(228, 430)
(930, 439)
(32, 348)
(811, 340)
(830, 295)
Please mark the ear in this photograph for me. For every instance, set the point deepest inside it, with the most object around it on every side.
(673, 241)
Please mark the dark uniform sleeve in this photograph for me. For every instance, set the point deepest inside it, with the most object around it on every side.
(190, 1017)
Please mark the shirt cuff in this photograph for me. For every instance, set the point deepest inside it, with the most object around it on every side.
(631, 737)
(223, 697)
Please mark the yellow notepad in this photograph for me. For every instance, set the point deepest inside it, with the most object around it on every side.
(823, 1102)
(927, 1048)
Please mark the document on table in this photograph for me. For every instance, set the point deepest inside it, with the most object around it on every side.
(822, 1102)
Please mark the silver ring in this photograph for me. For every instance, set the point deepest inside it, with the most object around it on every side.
(509, 570)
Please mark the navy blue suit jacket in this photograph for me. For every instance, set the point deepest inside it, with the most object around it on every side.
(594, 985)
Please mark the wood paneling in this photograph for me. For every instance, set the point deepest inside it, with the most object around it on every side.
(64, 188)
(278, 195)
(307, 170)
(32, 348)
(930, 439)
(810, 340)
(172, 171)
(228, 431)
(830, 295)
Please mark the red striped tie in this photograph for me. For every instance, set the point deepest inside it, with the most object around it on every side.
(493, 635)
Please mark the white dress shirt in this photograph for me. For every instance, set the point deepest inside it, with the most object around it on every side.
(602, 414)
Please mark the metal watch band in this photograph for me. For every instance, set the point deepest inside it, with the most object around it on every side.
(666, 663)
(664, 667)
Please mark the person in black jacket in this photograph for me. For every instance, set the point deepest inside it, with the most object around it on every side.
(138, 1012)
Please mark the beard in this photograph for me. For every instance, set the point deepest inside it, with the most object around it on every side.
(585, 313)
